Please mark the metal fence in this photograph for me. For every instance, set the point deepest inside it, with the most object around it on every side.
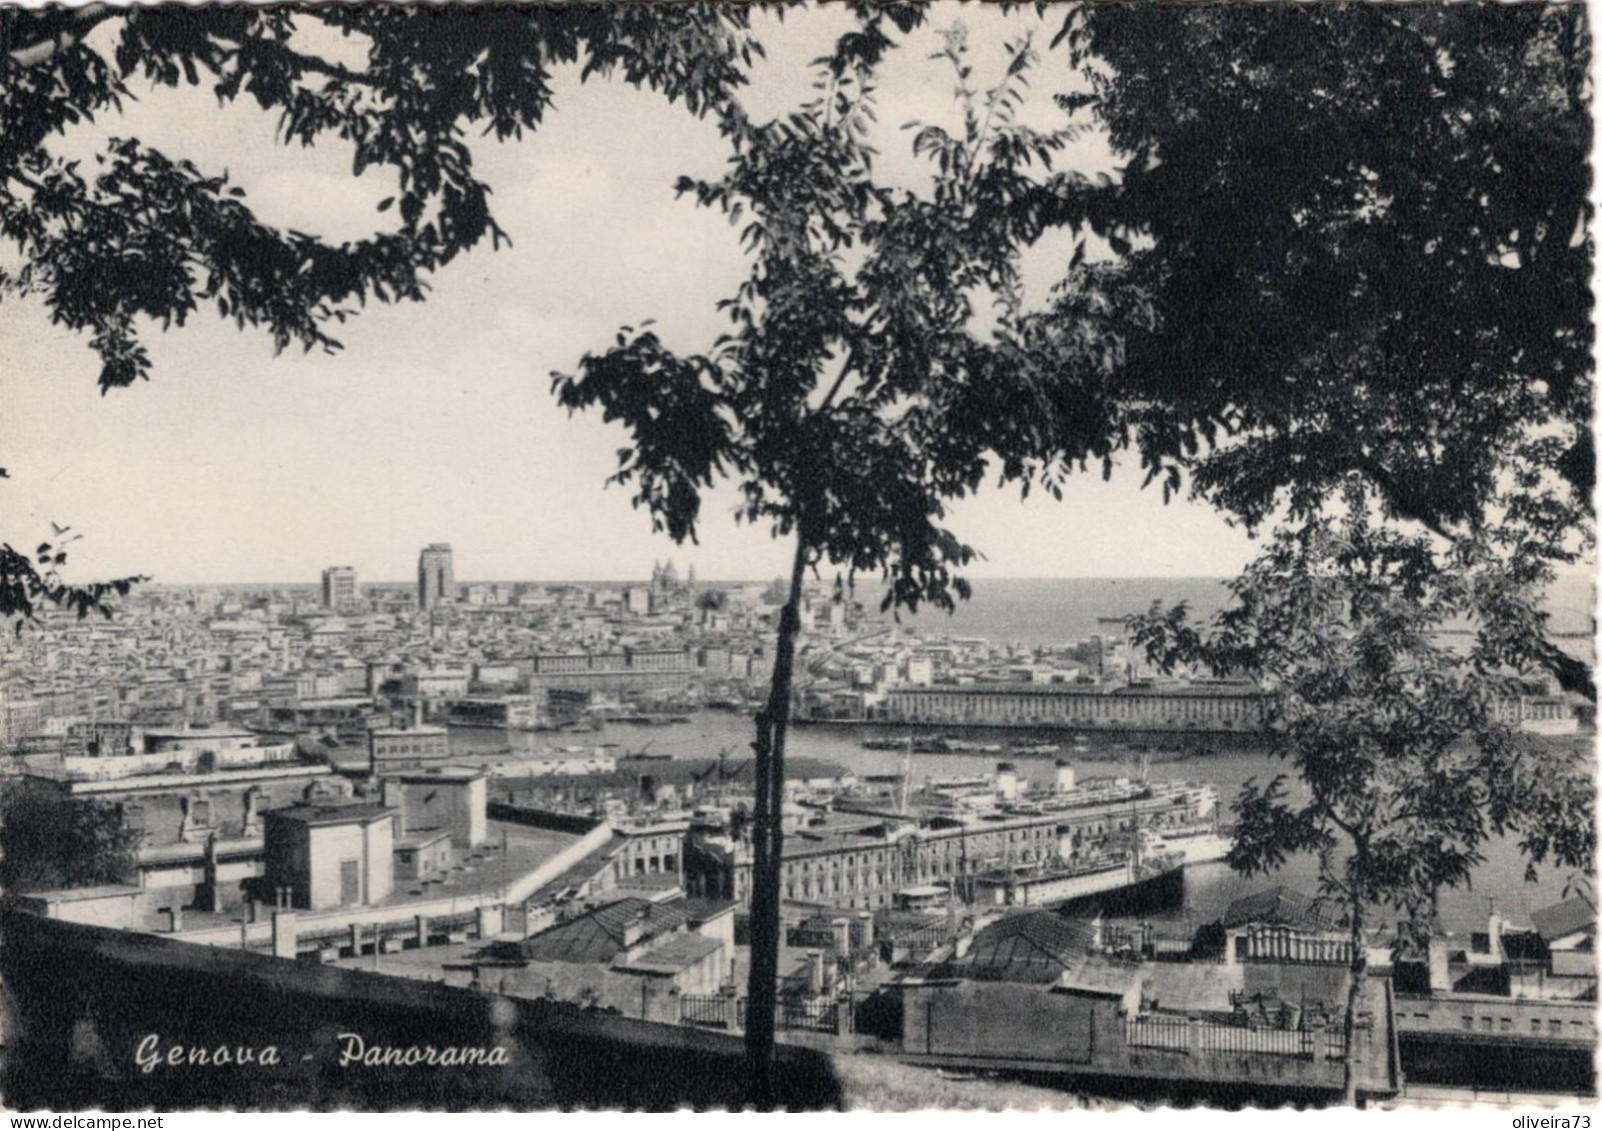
(1157, 1031)
(1179, 1033)
(716, 1011)
(713, 1011)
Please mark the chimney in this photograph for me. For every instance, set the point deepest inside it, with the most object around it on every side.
(634, 929)
(1007, 781)
(392, 793)
(1065, 776)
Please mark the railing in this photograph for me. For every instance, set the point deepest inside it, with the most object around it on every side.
(713, 1011)
(1157, 1031)
(1184, 1034)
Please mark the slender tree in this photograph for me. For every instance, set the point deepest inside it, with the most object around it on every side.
(1405, 763)
(857, 391)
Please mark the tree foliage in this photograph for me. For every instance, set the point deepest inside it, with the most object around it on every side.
(138, 235)
(29, 583)
(49, 841)
(132, 238)
(856, 392)
(1404, 763)
(1362, 235)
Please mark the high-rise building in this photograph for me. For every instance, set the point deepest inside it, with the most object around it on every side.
(436, 578)
(339, 587)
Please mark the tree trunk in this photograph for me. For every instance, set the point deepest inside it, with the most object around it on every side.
(767, 836)
(1359, 970)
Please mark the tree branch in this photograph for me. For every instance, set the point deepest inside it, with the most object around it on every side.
(56, 31)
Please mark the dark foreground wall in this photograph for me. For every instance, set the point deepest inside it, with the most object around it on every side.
(1439, 1058)
(83, 999)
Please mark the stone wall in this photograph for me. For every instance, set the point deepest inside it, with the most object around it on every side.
(84, 999)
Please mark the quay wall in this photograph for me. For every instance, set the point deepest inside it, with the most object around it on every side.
(83, 998)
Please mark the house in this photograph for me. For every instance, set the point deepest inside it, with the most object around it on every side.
(1036, 947)
(1569, 931)
(331, 855)
(632, 955)
(1023, 987)
(1282, 925)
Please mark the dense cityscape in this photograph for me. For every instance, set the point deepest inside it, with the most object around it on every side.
(1169, 431)
(417, 781)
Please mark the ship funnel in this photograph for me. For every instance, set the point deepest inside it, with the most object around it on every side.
(1065, 776)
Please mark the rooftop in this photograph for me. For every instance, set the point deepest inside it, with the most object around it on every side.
(597, 936)
(1034, 946)
(677, 952)
(1281, 906)
(333, 814)
(1561, 919)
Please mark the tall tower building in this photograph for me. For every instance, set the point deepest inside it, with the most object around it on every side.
(436, 578)
(339, 587)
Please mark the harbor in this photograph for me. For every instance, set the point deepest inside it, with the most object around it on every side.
(1210, 886)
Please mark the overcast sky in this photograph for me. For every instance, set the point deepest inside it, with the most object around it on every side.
(436, 422)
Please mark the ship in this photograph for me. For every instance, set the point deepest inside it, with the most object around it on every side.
(1034, 749)
(939, 744)
(1195, 844)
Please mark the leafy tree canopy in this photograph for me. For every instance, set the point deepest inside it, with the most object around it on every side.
(1362, 236)
(49, 841)
(1406, 762)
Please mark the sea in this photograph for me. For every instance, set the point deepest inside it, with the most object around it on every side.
(1047, 612)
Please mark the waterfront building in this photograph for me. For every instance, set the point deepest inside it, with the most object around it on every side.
(339, 588)
(1197, 707)
(650, 847)
(861, 859)
(436, 576)
(409, 748)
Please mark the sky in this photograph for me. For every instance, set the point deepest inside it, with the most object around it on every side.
(436, 422)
